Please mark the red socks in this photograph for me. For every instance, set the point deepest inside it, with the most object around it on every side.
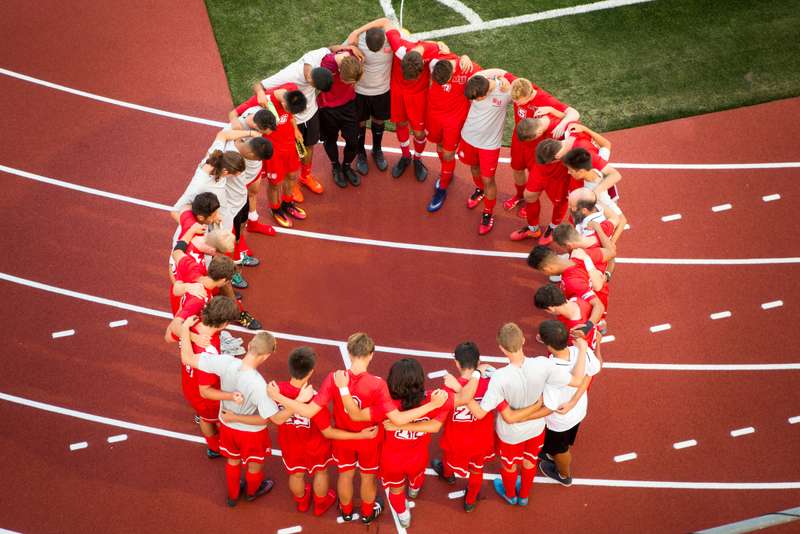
(321, 504)
(447, 471)
(488, 204)
(478, 182)
(559, 212)
(520, 190)
(213, 442)
(447, 173)
(416, 484)
(287, 198)
(398, 502)
(241, 247)
(527, 482)
(366, 507)
(275, 206)
(533, 209)
(233, 475)
(402, 138)
(253, 481)
(305, 169)
(304, 502)
(419, 147)
(347, 509)
(509, 482)
(474, 486)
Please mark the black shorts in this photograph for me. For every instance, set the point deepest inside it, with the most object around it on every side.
(310, 130)
(559, 442)
(378, 106)
(339, 119)
(240, 219)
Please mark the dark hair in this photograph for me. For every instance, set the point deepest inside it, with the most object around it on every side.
(262, 147)
(539, 256)
(467, 355)
(547, 296)
(442, 71)
(412, 65)
(554, 334)
(407, 383)
(375, 38)
(265, 120)
(295, 102)
(476, 87)
(221, 268)
(322, 79)
(220, 310)
(578, 158)
(565, 233)
(301, 362)
(546, 151)
(204, 205)
(230, 161)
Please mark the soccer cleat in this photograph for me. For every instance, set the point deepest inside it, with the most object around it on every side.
(304, 504)
(401, 166)
(338, 176)
(238, 281)
(242, 486)
(511, 203)
(212, 455)
(380, 161)
(525, 233)
(550, 470)
(501, 491)
(545, 456)
(330, 499)
(264, 488)
(196, 419)
(522, 501)
(295, 211)
(352, 177)
(377, 508)
(413, 493)
(438, 466)
(405, 518)
(260, 228)
(475, 198)
(487, 223)
(469, 507)
(361, 164)
(297, 195)
(248, 260)
(547, 238)
(602, 327)
(345, 517)
(248, 321)
(439, 196)
(281, 218)
(522, 213)
(420, 170)
(311, 182)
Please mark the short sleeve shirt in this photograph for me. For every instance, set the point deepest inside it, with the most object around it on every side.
(377, 68)
(486, 120)
(402, 46)
(295, 73)
(555, 396)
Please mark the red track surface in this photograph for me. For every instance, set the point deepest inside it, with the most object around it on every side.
(409, 299)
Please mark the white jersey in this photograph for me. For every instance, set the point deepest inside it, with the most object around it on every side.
(556, 396)
(604, 200)
(295, 73)
(583, 226)
(202, 182)
(520, 387)
(377, 68)
(487, 119)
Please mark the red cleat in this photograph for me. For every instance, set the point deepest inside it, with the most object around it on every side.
(523, 212)
(487, 223)
(475, 198)
(260, 228)
(297, 194)
(511, 203)
(305, 503)
(546, 239)
(322, 507)
(312, 183)
(525, 233)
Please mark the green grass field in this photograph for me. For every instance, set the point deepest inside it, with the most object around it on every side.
(620, 68)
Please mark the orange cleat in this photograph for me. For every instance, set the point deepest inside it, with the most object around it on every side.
(297, 195)
(311, 182)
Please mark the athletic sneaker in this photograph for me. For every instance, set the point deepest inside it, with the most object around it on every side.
(281, 218)
(196, 419)
(511, 203)
(525, 233)
(420, 170)
(264, 488)
(352, 177)
(547, 237)
(238, 281)
(248, 260)
(361, 164)
(467, 506)
(248, 321)
(401, 166)
(475, 198)
(405, 518)
(438, 466)
(260, 228)
(338, 176)
(487, 223)
(311, 182)
(242, 487)
(550, 470)
(413, 493)
(212, 455)
(237, 350)
(439, 196)
(297, 195)
(377, 508)
(345, 517)
(330, 498)
(295, 211)
(380, 160)
(501, 491)
(522, 213)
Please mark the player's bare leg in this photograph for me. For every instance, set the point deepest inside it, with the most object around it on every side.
(301, 492)
(563, 462)
(324, 497)
(420, 170)
(403, 138)
(532, 209)
(478, 194)
(489, 201)
(448, 165)
(288, 204)
(253, 224)
(306, 177)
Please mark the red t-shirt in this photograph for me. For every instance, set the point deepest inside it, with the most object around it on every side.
(465, 434)
(405, 447)
(447, 101)
(540, 99)
(586, 311)
(400, 46)
(283, 136)
(192, 377)
(367, 390)
(556, 170)
(300, 433)
(341, 93)
(575, 280)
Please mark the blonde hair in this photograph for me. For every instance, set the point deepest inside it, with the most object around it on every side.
(521, 88)
(351, 69)
(510, 337)
(262, 343)
(360, 345)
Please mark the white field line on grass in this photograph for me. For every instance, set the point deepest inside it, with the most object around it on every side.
(464, 11)
(489, 476)
(219, 124)
(397, 244)
(342, 345)
(388, 9)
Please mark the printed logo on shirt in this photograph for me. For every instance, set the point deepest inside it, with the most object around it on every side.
(284, 119)
(407, 434)
(522, 112)
(497, 102)
(447, 87)
(462, 415)
(299, 421)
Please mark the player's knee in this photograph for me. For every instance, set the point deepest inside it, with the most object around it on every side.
(530, 196)
(233, 461)
(254, 467)
(527, 464)
(448, 155)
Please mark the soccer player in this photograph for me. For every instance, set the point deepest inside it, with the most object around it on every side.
(490, 94)
(447, 111)
(573, 313)
(244, 411)
(520, 434)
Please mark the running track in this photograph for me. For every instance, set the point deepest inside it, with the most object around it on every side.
(410, 299)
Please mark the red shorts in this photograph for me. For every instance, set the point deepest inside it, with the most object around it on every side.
(527, 450)
(305, 461)
(364, 454)
(445, 131)
(486, 159)
(557, 190)
(396, 474)
(462, 464)
(523, 154)
(409, 107)
(244, 446)
(283, 161)
(207, 410)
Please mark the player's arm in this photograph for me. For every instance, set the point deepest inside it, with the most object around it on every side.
(383, 22)
(567, 406)
(619, 227)
(491, 73)
(428, 427)
(438, 398)
(299, 405)
(611, 177)
(207, 392)
(176, 214)
(255, 419)
(343, 435)
(465, 393)
(188, 357)
(281, 417)
(598, 139)
(608, 248)
(579, 371)
(534, 411)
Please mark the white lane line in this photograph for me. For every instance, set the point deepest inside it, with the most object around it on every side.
(673, 217)
(607, 339)
(63, 333)
(684, 444)
(456, 494)
(627, 227)
(290, 530)
(392, 350)
(117, 438)
(721, 207)
(772, 304)
(345, 355)
(660, 327)
(625, 457)
(78, 446)
(461, 9)
(117, 324)
(794, 420)
(742, 431)
(397, 525)
(720, 315)
(356, 517)
(437, 374)
(770, 198)
(756, 523)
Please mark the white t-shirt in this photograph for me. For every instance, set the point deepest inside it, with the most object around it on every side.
(521, 387)
(487, 119)
(203, 182)
(556, 396)
(295, 73)
(583, 226)
(248, 382)
(377, 68)
(604, 200)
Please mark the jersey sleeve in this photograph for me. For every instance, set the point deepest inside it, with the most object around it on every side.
(596, 255)
(395, 40)
(382, 403)
(543, 98)
(552, 397)
(445, 409)
(577, 286)
(187, 269)
(510, 77)
(247, 104)
(493, 396)
(323, 396)
(593, 365)
(191, 306)
(323, 419)
(266, 406)
(214, 364)
(329, 62)
(430, 50)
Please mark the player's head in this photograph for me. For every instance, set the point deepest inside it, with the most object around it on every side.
(521, 91)
(301, 363)
(219, 311)
(567, 236)
(220, 241)
(406, 383)
(412, 65)
(554, 334)
(467, 356)
(295, 102)
(321, 79)
(360, 345)
(205, 208)
(530, 129)
(375, 38)
(582, 202)
(544, 260)
(225, 163)
(547, 151)
(548, 298)
(442, 71)
(477, 88)
(350, 70)
(265, 121)
(578, 162)
(262, 346)
(221, 269)
(510, 338)
(258, 148)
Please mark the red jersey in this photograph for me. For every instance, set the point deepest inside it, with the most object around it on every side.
(405, 447)
(340, 93)
(192, 378)
(585, 312)
(448, 101)
(575, 280)
(283, 136)
(556, 170)
(540, 99)
(367, 390)
(400, 46)
(465, 434)
(301, 433)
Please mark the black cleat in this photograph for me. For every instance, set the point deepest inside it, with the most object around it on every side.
(361, 164)
(377, 508)
(338, 176)
(248, 321)
(438, 466)
(345, 517)
(242, 486)
(420, 170)
(351, 176)
(401, 166)
(469, 507)
(380, 161)
(212, 455)
(263, 489)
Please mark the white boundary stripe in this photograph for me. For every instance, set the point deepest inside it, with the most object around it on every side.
(63, 333)
(720, 315)
(755, 523)
(117, 324)
(660, 327)
(794, 420)
(6, 531)
(625, 457)
(290, 530)
(608, 339)
(117, 438)
(345, 355)
(456, 494)
(397, 525)
(772, 304)
(394, 350)
(78, 446)
(770, 198)
(437, 374)
(742, 431)
(673, 217)
(721, 207)
(461, 9)
(684, 444)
